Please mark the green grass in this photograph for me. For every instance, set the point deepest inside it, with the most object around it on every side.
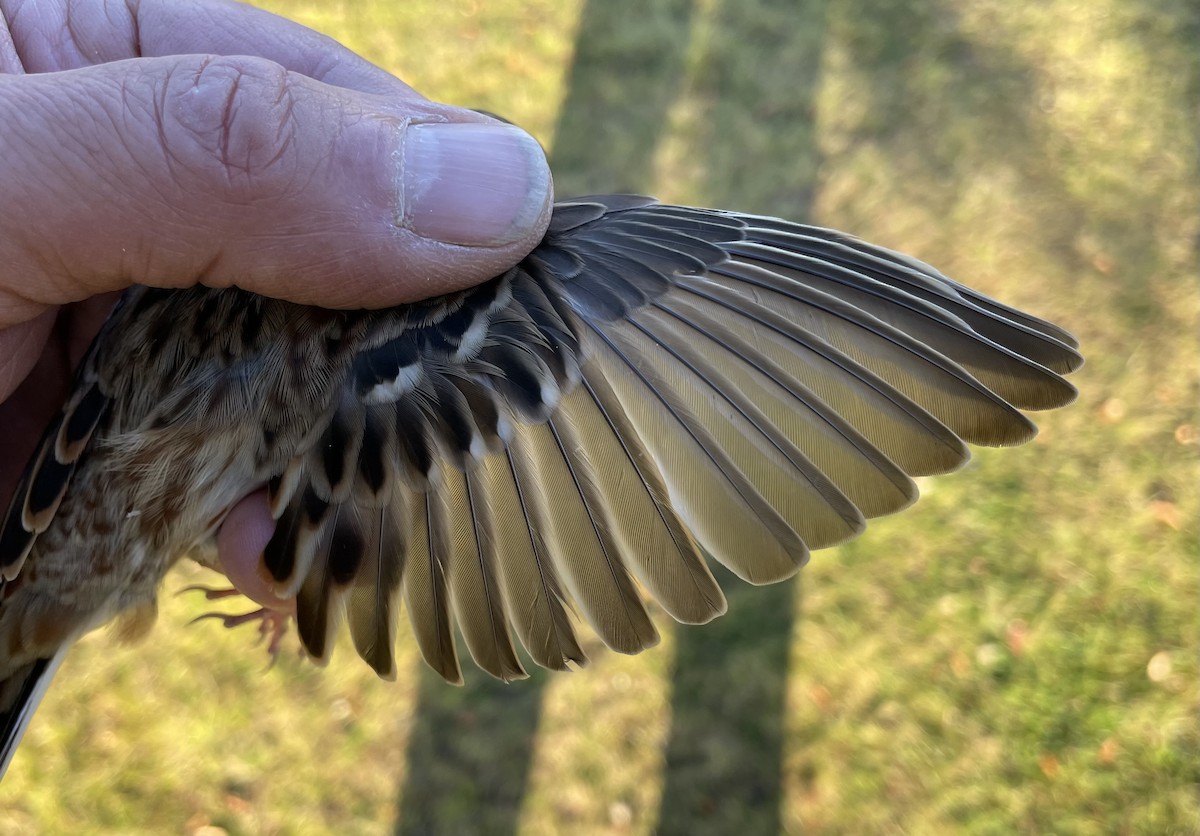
(1016, 653)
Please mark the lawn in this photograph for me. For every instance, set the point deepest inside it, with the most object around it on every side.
(1017, 653)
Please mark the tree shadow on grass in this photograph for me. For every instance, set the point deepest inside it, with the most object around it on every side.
(471, 748)
(754, 136)
(470, 753)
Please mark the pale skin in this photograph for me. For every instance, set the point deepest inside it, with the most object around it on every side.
(234, 148)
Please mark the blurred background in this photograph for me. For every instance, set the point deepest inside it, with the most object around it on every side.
(1018, 653)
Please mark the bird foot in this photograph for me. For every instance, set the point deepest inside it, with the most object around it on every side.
(272, 624)
(210, 593)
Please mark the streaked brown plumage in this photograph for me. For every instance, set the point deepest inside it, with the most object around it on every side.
(652, 386)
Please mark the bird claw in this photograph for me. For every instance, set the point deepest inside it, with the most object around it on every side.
(272, 624)
(210, 593)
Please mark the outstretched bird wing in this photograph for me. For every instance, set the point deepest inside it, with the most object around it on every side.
(652, 386)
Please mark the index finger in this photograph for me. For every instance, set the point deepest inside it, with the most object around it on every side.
(98, 32)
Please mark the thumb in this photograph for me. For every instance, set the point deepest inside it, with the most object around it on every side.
(223, 170)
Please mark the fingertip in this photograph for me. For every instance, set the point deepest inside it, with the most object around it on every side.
(474, 185)
(240, 543)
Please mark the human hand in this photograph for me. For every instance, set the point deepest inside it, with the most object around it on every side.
(172, 143)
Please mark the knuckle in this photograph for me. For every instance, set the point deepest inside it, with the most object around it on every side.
(230, 117)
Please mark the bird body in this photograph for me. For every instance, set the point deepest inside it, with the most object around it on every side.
(652, 387)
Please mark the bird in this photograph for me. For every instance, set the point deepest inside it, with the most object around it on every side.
(652, 388)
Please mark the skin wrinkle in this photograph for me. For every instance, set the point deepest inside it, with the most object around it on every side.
(135, 27)
(120, 17)
(287, 124)
(241, 140)
(15, 161)
(69, 26)
(60, 280)
(152, 106)
(227, 119)
(43, 48)
(150, 211)
(59, 284)
(119, 31)
(72, 152)
(158, 113)
(10, 59)
(115, 119)
(10, 13)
